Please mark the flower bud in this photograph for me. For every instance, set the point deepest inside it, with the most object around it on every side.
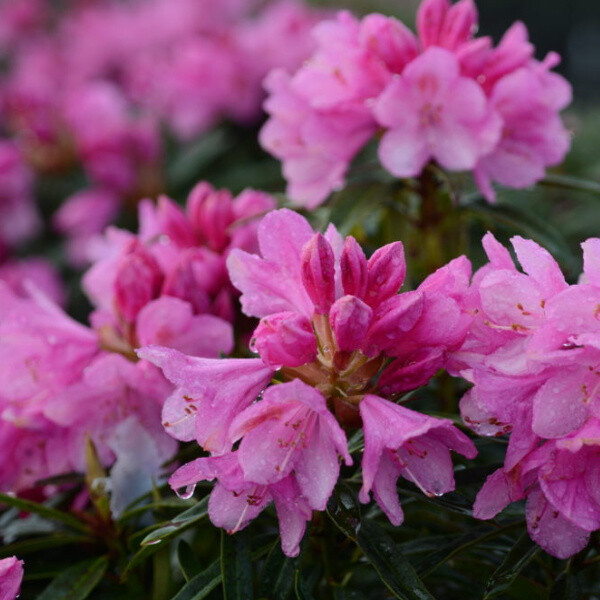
(353, 265)
(387, 269)
(285, 339)
(138, 281)
(211, 213)
(390, 39)
(391, 322)
(430, 21)
(459, 25)
(172, 222)
(318, 272)
(350, 320)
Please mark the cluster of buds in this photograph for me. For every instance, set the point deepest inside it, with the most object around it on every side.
(337, 345)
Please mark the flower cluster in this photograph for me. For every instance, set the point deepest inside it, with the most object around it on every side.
(336, 346)
(137, 67)
(62, 382)
(533, 355)
(11, 574)
(441, 95)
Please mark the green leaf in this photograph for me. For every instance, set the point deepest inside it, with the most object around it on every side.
(166, 532)
(184, 169)
(572, 184)
(236, 567)
(393, 568)
(78, 582)
(201, 585)
(566, 587)
(468, 540)
(189, 565)
(277, 577)
(515, 561)
(56, 540)
(301, 588)
(43, 511)
(344, 510)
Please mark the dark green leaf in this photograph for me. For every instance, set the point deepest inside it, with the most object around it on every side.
(572, 184)
(56, 540)
(78, 582)
(190, 567)
(277, 577)
(393, 568)
(202, 584)
(566, 587)
(166, 532)
(43, 511)
(302, 588)
(344, 510)
(515, 561)
(236, 567)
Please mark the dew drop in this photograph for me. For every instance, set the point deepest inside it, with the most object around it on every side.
(187, 492)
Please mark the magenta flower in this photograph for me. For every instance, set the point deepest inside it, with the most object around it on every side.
(235, 501)
(402, 442)
(532, 354)
(333, 332)
(375, 77)
(11, 574)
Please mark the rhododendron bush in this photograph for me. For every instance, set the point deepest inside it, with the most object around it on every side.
(295, 303)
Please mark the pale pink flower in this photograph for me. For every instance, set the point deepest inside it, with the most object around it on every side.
(434, 113)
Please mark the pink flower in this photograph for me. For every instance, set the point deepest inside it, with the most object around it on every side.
(11, 574)
(401, 442)
(291, 430)
(209, 395)
(22, 275)
(168, 284)
(533, 136)
(334, 330)
(532, 354)
(443, 116)
(19, 219)
(374, 76)
(235, 501)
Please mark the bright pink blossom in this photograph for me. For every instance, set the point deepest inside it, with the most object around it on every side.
(434, 113)
(11, 574)
(442, 96)
(533, 355)
(333, 331)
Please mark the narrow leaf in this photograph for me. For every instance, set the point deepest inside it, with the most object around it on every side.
(344, 510)
(200, 586)
(277, 577)
(154, 540)
(566, 587)
(572, 184)
(43, 511)
(236, 567)
(393, 568)
(78, 582)
(515, 561)
(57, 540)
(189, 565)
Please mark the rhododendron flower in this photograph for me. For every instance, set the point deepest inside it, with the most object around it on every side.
(432, 112)
(19, 219)
(168, 285)
(22, 275)
(11, 574)
(532, 354)
(442, 95)
(333, 333)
